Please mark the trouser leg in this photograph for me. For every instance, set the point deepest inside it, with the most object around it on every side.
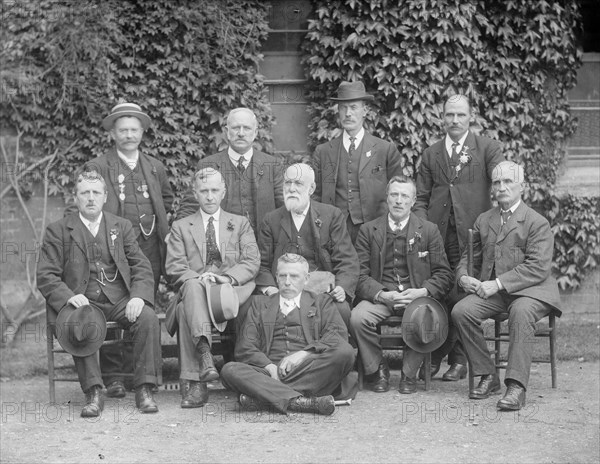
(363, 327)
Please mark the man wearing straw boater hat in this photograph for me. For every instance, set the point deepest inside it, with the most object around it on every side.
(403, 267)
(212, 258)
(138, 190)
(354, 168)
(91, 270)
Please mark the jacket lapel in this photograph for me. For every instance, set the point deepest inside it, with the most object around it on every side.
(197, 232)
(314, 217)
(224, 232)
(334, 154)
(150, 174)
(77, 232)
(268, 318)
(307, 306)
(286, 222)
(442, 158)
(513, 220)
(114, 170)
(415, 230)
(368, 144)
(379, 231)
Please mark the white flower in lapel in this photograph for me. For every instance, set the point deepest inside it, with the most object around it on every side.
(114, 233)
(368, 154)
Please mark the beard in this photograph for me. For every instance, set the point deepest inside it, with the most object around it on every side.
(295, 205)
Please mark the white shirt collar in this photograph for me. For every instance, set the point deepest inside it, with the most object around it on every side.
(87, 222)
(295, 300)
(513, 208)
(235, 156)
(131, 162)
(461, 142)
(359, 137)
(205, 216)
(303, 213)
(393, 225)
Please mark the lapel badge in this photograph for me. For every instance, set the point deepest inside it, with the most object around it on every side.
(368, 154)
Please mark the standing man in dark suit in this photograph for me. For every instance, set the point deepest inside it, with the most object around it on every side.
(401, 258)
(453, 188)
(293, 352)
(512, 263)
(354, 168)
(138, 190)
(254, 179)
(93, 258)
(313, 230)
(211, 245)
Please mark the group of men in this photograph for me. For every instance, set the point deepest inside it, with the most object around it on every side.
(303, 261)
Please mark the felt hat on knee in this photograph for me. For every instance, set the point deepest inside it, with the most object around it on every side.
(223, 304)
(424, 324)
(80, 331)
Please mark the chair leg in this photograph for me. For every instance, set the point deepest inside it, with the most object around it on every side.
(361, 374)
(497, 345)
(471, 376)
(159, 375)
(50, 350)
(552, 338)
(427, 371)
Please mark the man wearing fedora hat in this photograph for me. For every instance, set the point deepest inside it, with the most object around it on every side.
(354, 168)
(254, 179)
(511, 274)
(138, 190)
(292, 353)
(402, 262)
(210, 247)
(91, 270)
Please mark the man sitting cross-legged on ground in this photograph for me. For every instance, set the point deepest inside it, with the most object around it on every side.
(292, 352)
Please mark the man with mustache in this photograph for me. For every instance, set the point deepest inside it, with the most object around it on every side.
(512, 264)
(401, 258)
(354, 168)
(313, 230)
(254, 179)
(453, 188)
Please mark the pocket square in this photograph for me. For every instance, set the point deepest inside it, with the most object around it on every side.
(423, 254)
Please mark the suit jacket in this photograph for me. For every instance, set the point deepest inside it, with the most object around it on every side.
(186, 252)
(322, 326)
(375, 170)
(64, 269)
(159, 189)
(427, 263)
(439, 187)
(265, 173)
(334, 252)
(520, 253)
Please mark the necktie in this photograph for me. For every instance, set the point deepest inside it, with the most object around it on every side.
(505, 215)
(94, 228)
(288, 306)
(212, 252)
(454, 153)
(352, 147)
(240, 165)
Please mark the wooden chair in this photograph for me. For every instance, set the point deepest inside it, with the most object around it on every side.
(502, 336)
(394, 341)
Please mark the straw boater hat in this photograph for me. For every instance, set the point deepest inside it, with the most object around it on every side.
(223, 304)
(80, 331)
(126, 109)
(351, 91)
(424, 325)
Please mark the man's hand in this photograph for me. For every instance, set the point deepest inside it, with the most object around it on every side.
(271, 291)
(338, 294)
(410, 294)
(78, 300)
(288, 363)
(487, 289)
(216, 278)
(272, 368)
(134, 308)
(470, 284)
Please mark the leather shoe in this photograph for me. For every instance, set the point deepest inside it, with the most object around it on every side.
(116, 389)
(435, 368)
(247, 402)
(144, 399)
(94, 402)
(514, 398)
(407, 385)
(488, 384)
(194, 394)
(455, 373)
(381, 378)
(208, 371)
(324, 405)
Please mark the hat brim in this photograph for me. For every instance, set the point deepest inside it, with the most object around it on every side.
(214, 296)
(409, 335)
(366, 97)
(109, 120)
(98, 324)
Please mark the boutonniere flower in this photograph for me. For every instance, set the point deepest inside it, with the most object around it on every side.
(114, 233)
(411, 242)
(230, 225)
(423, 254)
(261, 172)
(311, 313)
(318, 222)
(368, 154)
(154, 170)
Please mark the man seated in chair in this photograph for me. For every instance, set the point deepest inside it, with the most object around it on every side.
(313, 230)
(292, 353)
(512, 260)
(401, 258)
(209, 247)
(92, 270)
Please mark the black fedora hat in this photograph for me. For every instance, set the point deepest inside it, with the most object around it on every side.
(80, 331)
(424, 324)
(352, 91)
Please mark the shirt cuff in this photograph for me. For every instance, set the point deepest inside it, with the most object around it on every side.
(500, 287)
